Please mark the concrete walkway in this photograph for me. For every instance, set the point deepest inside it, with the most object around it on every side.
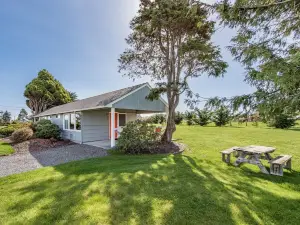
(25, 161)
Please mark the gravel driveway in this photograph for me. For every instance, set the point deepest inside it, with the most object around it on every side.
(25, 161)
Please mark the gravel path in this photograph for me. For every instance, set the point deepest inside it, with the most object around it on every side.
(25, 161)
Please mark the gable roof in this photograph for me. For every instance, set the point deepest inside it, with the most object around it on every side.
(95, 102)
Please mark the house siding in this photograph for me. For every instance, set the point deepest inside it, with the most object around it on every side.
(138, 101)
(94, 125)
(74, 136)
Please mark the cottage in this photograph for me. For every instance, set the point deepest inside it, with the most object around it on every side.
(98, 120)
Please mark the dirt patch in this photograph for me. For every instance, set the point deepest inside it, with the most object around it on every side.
(164, 148)
(39, 145)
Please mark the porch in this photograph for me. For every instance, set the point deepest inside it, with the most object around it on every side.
(105, 144)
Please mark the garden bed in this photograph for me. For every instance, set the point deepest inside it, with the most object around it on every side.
(171, 148)
(39, 144)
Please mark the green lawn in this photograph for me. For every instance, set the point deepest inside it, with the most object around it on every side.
(193, 188)
(5, 149)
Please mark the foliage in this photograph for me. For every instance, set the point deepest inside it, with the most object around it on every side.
(202, 117)
(171, 43)
(22, 115)
(221, 116)
(178, 118)
(267, 44)
(6, 131)
(5, 149)
(73, 96)
(190, 117)
(283, 121)
(46, 129)
(157, 118)
(6, 117)
(45, 92)
(21, 135)
(137, 137)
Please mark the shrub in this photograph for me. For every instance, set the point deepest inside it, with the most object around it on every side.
(283, 121)
(157, 119)
(6, 131)
(21, 135)
(202, 117)
(221, 116)
(178, 118)
(137, 137)
(41, 122)
(46, 129)
(190, 118)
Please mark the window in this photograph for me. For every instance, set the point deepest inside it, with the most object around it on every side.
(78, 120)
(72, 121)
(122, 120)
(66, 121)
(57, 116)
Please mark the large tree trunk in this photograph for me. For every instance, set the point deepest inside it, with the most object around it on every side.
(171, 127)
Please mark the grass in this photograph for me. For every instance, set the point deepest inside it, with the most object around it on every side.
(5, 149)
(192, 188)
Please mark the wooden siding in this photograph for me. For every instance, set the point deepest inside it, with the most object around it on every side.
(137, 101)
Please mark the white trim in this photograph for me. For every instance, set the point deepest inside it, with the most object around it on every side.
(112, 128)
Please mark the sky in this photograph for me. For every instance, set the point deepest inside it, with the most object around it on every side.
(79, 42)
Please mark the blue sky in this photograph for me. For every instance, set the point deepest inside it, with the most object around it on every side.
(79, 42)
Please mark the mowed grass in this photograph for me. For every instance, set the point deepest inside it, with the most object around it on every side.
(193, 188)
(5, 149)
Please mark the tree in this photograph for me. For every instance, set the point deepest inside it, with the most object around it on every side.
(267, 44)
(73, 96)
(202, 117)
(22, 115)
(221, 117)
(6, 117)
(45, 92)
(171, 43)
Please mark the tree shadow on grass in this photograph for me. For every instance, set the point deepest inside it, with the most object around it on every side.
(152, 190)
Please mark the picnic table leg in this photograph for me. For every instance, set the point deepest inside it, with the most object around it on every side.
(240, 159)
(259, 164)
(268, 156)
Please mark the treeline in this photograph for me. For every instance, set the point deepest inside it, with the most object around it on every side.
(221, 117)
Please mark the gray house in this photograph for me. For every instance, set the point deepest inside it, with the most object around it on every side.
(99, 120)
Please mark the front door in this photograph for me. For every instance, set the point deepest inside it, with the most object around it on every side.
(116, 125)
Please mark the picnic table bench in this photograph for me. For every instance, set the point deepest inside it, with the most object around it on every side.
(280, 162)
(226, 154)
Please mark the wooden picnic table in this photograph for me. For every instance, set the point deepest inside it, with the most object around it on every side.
(253, 154)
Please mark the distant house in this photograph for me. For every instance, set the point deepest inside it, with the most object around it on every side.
(90, 120)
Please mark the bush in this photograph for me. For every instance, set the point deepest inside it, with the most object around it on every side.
(178, 118)
(6, 131)
(21, 135)
(46, 129)
(190, 118)
(283, 121)
(157, 119)
(138, 137)
(41, 122)
(221, 117)
(202, 117)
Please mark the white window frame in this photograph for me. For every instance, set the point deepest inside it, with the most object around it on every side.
(119, 119)
(69, 115)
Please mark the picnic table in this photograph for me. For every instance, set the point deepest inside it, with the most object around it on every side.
(253, 154)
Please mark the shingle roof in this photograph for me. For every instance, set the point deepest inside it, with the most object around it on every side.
(92, 102)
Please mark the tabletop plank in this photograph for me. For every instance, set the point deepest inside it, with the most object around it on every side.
(256, 149)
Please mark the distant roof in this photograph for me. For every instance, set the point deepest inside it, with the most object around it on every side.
(92, 102)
